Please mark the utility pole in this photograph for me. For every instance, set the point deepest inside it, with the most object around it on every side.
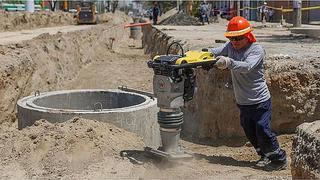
(297, 13)
(30, 6)
(238, 8)
(65, 6)
(178, 5)
(189, 7)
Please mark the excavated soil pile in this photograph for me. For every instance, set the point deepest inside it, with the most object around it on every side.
(22, 20)
(90, 149)
(67, 149)
(13, 21)
(305, 155)
(181, 19)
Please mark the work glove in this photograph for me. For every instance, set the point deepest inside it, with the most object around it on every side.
(222, 62)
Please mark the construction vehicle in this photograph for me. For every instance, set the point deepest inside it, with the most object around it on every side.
(174, 84)
(86, 13)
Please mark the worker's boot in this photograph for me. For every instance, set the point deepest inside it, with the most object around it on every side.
(262, 162)
(277, 162)
(276, 166)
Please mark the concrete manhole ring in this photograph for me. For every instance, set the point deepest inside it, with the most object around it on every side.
(132, 111)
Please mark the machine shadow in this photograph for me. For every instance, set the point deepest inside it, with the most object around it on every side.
(136, 156)
(224, 160)
(140, 157)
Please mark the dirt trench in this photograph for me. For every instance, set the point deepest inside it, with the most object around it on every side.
(294, 85)
(97, 57)
(89, 149)
(50, 62)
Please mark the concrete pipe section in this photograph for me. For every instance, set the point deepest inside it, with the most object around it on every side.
(131, 111)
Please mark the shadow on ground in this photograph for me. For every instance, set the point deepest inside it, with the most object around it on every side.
(143, 157)
(224, 160)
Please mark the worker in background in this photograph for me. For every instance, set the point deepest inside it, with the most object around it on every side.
(149, 13)
(155, 13)
(264, 12)
(244, 57)
(270, 14)
(203, 13)
(224, 12)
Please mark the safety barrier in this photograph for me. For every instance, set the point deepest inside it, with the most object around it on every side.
(282, 9)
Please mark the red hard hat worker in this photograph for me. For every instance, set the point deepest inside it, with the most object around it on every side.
(240, 27)
(245, 58)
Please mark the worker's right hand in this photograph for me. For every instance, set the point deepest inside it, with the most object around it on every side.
(222, 62)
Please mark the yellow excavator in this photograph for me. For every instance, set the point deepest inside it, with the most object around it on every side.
(86, 13)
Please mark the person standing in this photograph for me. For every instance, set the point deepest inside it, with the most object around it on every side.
(203, 13)
(155, 13)
(271, 14)
(264, 12)
(244, 57)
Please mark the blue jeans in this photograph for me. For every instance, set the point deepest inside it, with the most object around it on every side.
(255, 121)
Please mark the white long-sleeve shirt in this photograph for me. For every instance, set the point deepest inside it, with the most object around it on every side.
(247, 72)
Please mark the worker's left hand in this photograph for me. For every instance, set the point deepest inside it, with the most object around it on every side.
(222, 62)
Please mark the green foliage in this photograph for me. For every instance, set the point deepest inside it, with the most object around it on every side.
(19, 1)
(195, 8)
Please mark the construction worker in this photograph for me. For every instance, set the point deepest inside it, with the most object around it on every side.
(244, 57)
(203, 13)
(155, 13)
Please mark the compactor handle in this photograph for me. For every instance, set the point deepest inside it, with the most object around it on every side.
(180, 46)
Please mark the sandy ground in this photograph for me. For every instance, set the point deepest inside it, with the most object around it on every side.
(87, 149)
(126, 66)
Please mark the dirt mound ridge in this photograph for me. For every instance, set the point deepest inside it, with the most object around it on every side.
(181, 19)
(47, 150)
(23, 20)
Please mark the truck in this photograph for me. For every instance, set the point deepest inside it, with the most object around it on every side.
(86, 13)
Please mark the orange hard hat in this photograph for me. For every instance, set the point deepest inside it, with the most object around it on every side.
(238, 26)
